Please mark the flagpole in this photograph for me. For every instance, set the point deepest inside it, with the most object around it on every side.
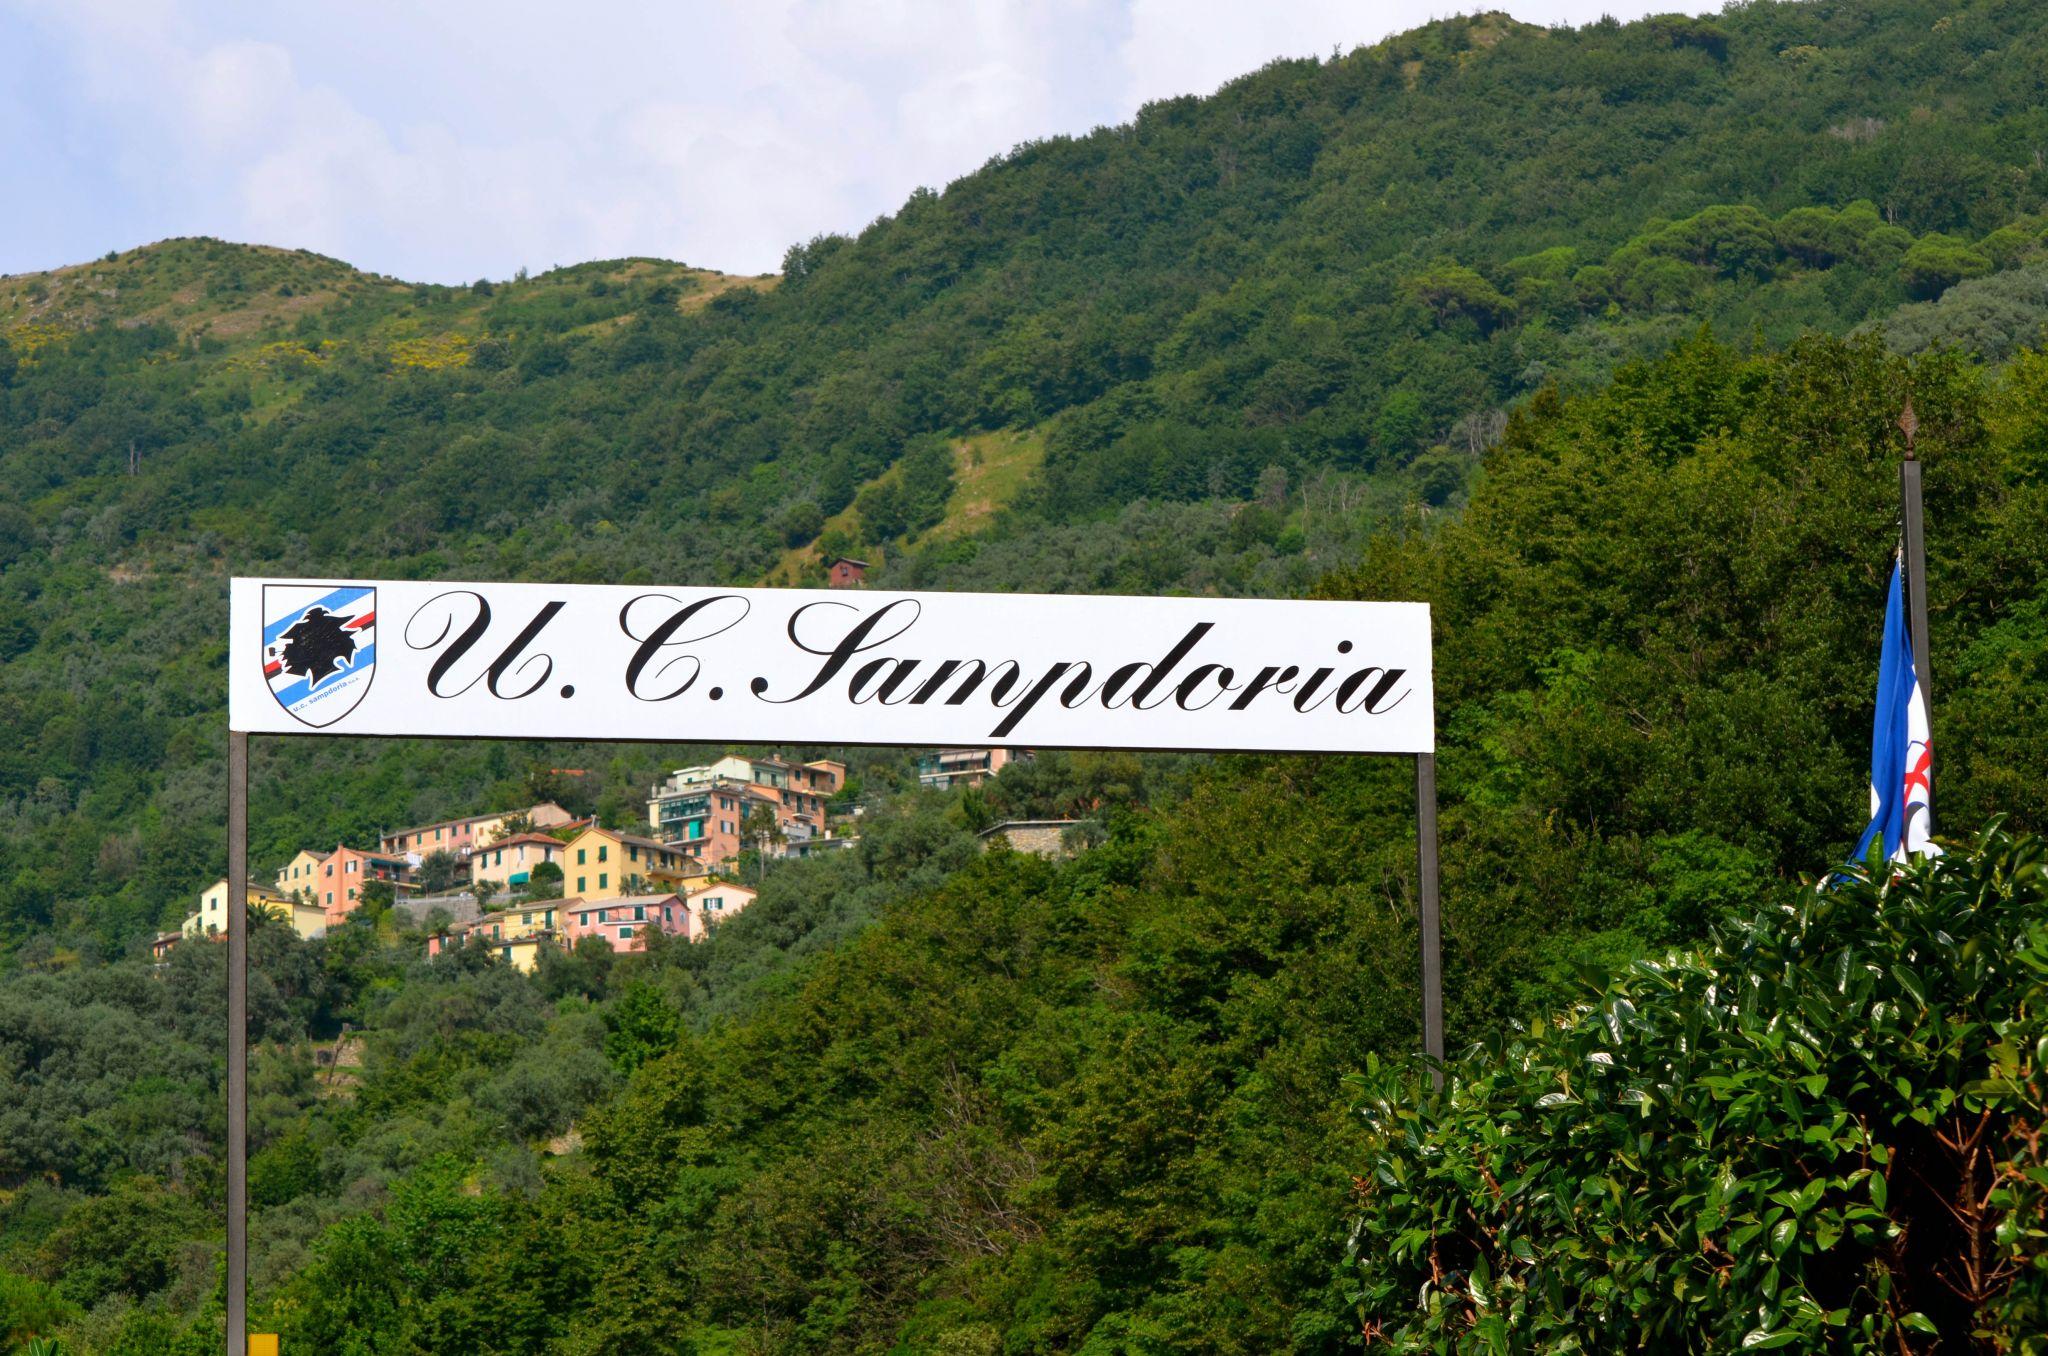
(1914, 526)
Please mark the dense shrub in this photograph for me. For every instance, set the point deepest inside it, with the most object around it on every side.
(1991, 318)
(1821, 1132)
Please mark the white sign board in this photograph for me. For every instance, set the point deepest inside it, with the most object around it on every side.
(803, 666)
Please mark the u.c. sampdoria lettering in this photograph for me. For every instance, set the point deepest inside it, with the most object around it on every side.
(879, 655)
(598, 661)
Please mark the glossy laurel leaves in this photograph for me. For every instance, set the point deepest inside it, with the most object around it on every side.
(1818, 1132)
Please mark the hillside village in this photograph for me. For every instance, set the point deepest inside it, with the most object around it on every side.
(557, 879)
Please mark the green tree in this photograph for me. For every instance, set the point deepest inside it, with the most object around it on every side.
(439, 871)
(1454, 291)
(377, 897)
(1937, 262)
(125, 1243)
(582, 971)
(761, 830)
(1735, 242)
(639, 1025)
(884, 511)
(19, 534)
(800, 522)
(30, 1308)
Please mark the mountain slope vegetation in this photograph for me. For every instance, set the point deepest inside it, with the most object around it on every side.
(1312, 293)
(1540, 326)
(1101, 1106)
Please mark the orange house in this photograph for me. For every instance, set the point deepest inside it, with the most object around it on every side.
(339, 878)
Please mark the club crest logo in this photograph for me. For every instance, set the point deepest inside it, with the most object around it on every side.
(319, 648)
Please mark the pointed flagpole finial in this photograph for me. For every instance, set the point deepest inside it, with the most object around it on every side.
(1909, 424)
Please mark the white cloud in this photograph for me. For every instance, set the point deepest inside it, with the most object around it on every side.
(459, 139)
(1167, 54)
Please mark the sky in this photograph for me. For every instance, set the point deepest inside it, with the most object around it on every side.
(461, 139)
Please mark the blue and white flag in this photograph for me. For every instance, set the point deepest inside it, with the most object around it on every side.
(1901, 757)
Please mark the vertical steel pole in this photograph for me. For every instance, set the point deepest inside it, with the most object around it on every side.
(1429, 890)
(1916, 590)
(238, 1043)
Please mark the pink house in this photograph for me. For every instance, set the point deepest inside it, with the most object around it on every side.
(713, 904)
(623, 922)
(460, 837)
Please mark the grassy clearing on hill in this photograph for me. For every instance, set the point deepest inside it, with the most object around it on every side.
(989, 471)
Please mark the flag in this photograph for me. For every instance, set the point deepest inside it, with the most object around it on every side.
(1901, 756)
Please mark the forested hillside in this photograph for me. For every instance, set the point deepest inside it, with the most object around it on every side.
(1243, 330)
(921, 1101)
(1545, 327)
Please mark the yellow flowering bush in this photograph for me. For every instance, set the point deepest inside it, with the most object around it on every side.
(30, 336)
(287, 355)
(432, 352)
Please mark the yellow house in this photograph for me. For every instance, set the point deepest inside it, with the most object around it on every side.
(605, 864)
(521, 953)
(507, 925)
(307, 920)
(513, 935)
(511, 860)
(300, 872)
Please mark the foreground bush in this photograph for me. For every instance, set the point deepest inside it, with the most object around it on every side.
(1820, 1133)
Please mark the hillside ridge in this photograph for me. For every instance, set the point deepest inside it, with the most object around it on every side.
(204, 288)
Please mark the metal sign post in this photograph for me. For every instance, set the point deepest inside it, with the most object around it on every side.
(601, 663)
(238, 1043)
(1427, 889)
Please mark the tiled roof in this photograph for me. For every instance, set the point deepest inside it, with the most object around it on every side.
(725, 887)
(452, 823)
(636, 840)
(585, 905)
(374, 854)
